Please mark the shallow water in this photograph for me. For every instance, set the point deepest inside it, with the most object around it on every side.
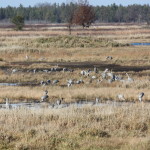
(79, 104)
(140, 44)
(10, 84)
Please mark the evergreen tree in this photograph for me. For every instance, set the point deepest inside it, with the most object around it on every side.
(18, 21)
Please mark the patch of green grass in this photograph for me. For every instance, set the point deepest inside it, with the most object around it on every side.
(75, 41)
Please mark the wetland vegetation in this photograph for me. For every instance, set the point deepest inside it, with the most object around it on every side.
(29, 57)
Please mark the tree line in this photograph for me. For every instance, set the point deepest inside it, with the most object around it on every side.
(60, 13)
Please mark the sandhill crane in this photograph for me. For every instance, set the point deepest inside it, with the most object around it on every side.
(83, 72)
(99, 80)
(110, 80)
(110, 74)
(7, 104)
(27, 57)
(104, 73)
(86, 73)
(59, 101)
(121, 97)
(93, 77)
(70, 81)
(43, 83)
(48, 81)
(55, 81)
(65, 69)
(14, 70)
(141, 96)
(79, 81)
(69, 84)
(34, 71)
(44, 98)
(129, 79)
(109, 58)
(118, 78)
(97, 100)
(95, 70)
(45, 70)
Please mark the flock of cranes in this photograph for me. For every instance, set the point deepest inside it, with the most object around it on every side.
(105, 75)
(58, 102)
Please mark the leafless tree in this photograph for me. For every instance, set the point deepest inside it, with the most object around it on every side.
(70, 14)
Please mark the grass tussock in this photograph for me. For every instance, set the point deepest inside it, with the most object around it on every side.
(76, 41)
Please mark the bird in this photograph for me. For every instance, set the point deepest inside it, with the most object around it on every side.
(93, 77)
(34, 71)
(99, 80)
(70, 81)
(14, 71)
(97, 100)
(55, 81)
(65, 69)
(27, 57)
(109, 58)
(104, 73)
(95, 70)
(141, 96)
(82, 72)
(43, 83)
(121, 97)
(118, 78)
(69, 84)
(45, 97)
(7, 104)
(110, 74)
(129, 79)
(59, 101)
(110, 80)
(48, 81)
(79, 81)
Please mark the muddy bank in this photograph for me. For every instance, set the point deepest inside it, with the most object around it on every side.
(88, 65)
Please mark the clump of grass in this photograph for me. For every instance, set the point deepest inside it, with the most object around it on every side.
(75, 41)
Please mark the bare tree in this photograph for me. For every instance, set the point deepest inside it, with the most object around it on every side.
(84, 14)
(70, 13)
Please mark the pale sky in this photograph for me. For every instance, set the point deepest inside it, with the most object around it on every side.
(16, 3)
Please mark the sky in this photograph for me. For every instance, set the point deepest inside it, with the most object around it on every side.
(16, 3)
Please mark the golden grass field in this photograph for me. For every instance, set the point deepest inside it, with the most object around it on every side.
(88, 128)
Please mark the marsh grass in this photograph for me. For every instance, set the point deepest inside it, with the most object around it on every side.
(85, 128)
(16, 49)
(91, 127)
(73, 94)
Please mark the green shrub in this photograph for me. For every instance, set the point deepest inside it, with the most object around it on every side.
(18, 21)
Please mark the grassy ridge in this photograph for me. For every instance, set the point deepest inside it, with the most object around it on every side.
(76, 41)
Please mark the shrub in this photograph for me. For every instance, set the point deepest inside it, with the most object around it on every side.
(18, 21)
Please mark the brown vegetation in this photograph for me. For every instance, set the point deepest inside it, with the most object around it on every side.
(105, 127)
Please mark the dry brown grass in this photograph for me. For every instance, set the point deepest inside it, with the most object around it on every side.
(108, 127)
(73, 94)
(15, 49)
(105, 127)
